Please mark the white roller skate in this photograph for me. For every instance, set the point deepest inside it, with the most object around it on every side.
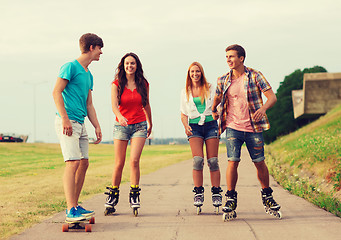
(134, 199)
(198, 198)
(112, 200)
(270, 205)
(216, 198)
(230, 206)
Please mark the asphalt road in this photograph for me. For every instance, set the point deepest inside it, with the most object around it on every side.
(167, 212)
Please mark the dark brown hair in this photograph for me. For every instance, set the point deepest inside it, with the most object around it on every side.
(240, 50)
(88, 39)
(140, 81)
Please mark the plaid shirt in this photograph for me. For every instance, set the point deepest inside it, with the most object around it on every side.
(254, 84)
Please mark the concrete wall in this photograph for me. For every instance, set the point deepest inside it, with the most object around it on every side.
(321, 92)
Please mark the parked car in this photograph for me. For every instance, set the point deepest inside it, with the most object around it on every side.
(8, 138)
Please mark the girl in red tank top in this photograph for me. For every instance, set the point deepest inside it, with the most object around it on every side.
(130, 104)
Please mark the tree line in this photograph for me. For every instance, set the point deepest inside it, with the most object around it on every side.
(281, 116)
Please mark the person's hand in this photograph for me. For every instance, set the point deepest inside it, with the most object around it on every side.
(67, 127)
(215, 115)
(188, 130)
(123, 121)
(259, 114)
(98, 133)
(149, 130)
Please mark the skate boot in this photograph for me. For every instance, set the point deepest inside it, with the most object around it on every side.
(270, 205)
(198, 198)
(230, 206)
(216, 198)
(134, 199)
(112, 200)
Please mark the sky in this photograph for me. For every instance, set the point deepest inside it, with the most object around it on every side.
(38, 36)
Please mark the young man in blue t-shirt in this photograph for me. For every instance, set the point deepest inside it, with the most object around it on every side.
(73, 98)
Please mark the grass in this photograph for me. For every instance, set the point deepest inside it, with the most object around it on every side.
(308, 162)
(31, 178)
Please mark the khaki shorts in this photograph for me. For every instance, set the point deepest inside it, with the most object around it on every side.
(75, 147)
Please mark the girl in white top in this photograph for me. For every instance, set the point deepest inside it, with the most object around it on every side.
(201, 128)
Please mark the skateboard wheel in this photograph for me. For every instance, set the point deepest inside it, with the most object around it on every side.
(87, 228)
(65, 227)
(92, 220)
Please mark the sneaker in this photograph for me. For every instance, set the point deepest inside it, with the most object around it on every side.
(85, 212)
(74, 215)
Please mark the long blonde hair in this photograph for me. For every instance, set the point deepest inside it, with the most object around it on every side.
(204, 86)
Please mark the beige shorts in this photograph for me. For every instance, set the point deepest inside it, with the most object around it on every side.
(76, 146)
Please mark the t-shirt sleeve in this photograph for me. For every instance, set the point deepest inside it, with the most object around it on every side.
(262, 83)
(220, 84)
(65, 71)
(92, 82)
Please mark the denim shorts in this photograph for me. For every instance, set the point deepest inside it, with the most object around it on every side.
(254, 142)
(206, 131)
(130, 131)
(76, 146)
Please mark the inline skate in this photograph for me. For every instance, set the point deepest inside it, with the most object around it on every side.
(230, 206)
(216, 198)
(112, 200)
(134, 199)
(270, 205)
(198, 198)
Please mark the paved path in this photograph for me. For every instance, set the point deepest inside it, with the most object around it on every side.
(168, 213)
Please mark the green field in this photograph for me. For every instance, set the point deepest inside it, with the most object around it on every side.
(308, 162)
(31, 178)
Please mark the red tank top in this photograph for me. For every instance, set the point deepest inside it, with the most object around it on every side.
(131, 105)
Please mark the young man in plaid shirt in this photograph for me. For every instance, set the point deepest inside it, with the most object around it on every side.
(243, 116)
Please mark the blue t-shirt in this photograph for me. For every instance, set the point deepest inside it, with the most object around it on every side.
(76, 91)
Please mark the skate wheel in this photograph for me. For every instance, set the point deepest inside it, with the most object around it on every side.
(217, 210)
(88, 228)
(106, 212)
(109, 211)
(267, 210)
(92, 220)
(65, 227)
(229, 216)
(278, 215)
(136, 212)
(198, 210)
